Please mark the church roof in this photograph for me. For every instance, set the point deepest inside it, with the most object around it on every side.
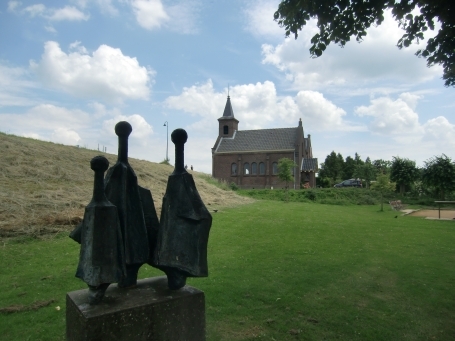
(259, 140)
(309, 165)
(228, 112)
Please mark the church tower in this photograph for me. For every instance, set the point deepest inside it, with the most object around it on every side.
(228, 124)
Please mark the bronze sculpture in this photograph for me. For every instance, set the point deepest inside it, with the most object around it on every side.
(181, 249)
(102, 257)
(123, 191)
(120, 230)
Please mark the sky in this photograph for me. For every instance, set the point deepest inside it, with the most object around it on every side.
(70, 70)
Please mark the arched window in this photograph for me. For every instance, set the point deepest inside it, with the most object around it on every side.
(246, 168)
(254, 168)
(261, 168)
(274, 168)
(225, 130)
(234, 169)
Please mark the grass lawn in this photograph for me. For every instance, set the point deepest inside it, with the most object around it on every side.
(278, 271)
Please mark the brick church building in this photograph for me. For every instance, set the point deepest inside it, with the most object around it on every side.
(249, 158)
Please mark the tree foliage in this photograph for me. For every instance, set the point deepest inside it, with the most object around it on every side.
(382, 166)
(349, 168)
(285, 170)
(366, 171)
(383, 185)
(333, 166)
(439, 173)
(404, 172)
(339, 20)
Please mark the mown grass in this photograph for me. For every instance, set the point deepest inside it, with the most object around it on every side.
(278, 271)
(45, 186)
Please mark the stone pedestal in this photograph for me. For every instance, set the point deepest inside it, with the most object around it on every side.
(147, 312)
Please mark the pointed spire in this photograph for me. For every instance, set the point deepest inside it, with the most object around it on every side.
(228, 108)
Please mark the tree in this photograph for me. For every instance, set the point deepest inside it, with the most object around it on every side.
(366, 171)
(339, 20)
(439, 173)
(382, 166)
(332, 167)
(358, 160)
(349, 168)
(383, 185)
(285, 170)
(403, 172)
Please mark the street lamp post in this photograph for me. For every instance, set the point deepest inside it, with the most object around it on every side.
(166, 124)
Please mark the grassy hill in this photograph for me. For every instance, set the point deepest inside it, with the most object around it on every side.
(44, 187)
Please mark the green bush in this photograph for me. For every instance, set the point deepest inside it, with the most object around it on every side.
(367, 200)
(233, 186)
(332, 196)
(310, 194)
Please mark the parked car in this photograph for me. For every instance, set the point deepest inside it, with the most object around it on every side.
(350, 183)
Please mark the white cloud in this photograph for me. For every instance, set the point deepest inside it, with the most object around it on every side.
(150, 14)
(35, 10)
(182, 17)
(13, 5)
(392, 117)
(259, 20)
(106, 74)
(258, 106)
(141, 129)
(50, 29)
(77, 127)
(48, 122)
(319, 114)
(65, 136)
(441, 131)
(179, 17)
(69, 13)
(354, 67)
(78, 47)
(100, 110)
(15, 87)
(80, 3)
(107, 7)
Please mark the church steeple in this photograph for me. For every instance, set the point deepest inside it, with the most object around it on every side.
(228, 112)
(228, 123)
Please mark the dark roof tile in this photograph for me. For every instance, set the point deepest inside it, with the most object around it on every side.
(309, 165)
(259, 140)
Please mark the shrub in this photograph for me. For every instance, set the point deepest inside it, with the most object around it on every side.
(366, 200)
(311, 195)
(233, 186)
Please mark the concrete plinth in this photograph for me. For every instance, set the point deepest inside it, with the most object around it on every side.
(147, 312)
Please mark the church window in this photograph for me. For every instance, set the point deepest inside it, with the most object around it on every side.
(261, 168)
(254, 168)
(274, 168)
(246, 168)
(225, 130)
(234, 169)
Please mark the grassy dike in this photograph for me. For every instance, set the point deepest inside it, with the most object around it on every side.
(277, 271)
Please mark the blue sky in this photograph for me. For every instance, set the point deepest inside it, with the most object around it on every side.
(70, 70)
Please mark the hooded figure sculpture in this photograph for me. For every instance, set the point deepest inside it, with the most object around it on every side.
(137, 215)
(101, 259)
(181, 249)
